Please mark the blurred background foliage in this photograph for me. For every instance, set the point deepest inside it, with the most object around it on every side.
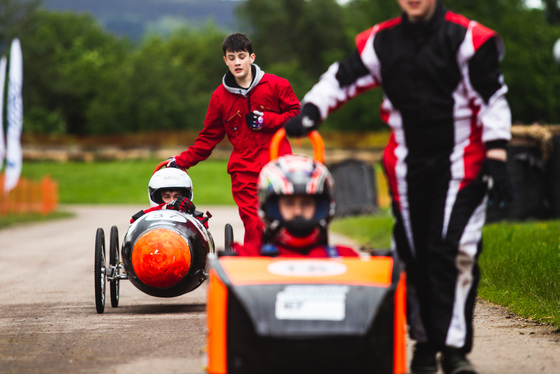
(80, 79)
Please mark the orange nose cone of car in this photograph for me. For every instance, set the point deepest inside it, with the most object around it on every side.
(161, 258)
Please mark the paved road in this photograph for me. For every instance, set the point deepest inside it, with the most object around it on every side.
(48, 322)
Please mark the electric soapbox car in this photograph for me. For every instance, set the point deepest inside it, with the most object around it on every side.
(305, 315)
(164, 253)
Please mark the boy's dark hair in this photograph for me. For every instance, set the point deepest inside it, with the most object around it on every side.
(171, 189)
(237, 42)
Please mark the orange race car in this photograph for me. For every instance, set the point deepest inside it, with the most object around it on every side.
(305, 315)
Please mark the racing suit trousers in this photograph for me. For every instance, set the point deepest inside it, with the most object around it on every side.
(438, 235)
(244, 190)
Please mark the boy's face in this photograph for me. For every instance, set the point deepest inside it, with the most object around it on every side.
(169, 195)
(296, 205)
(239, 64)
(418, 10)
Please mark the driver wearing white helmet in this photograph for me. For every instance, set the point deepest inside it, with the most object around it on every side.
(170, 188)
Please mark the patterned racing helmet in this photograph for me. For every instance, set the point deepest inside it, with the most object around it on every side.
(169, 178)
(296, 175)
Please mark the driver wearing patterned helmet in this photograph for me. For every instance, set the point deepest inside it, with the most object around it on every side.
(296, 204)
(170, 188)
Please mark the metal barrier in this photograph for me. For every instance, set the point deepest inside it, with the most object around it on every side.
(29, 197)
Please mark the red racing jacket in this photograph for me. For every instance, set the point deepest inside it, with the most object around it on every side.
(226, 113)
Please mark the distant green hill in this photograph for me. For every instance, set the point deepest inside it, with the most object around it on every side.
(133, 18)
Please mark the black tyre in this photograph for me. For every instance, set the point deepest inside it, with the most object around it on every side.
(228, 235)
(99, 271)
(114, 262)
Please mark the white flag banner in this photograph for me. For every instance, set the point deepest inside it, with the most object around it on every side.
(15, 118)
(2, 84)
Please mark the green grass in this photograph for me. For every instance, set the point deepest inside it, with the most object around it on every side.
(520, 266)
(369, 231)
(126, 182)
(520, 262)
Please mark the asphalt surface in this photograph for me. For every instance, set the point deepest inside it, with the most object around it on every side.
(48, 321)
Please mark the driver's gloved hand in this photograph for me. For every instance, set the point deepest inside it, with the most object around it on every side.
(184, 204)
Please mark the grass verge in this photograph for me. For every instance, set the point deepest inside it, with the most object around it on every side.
(368, 231)
(126, 182)
(520, 266)
(520, 262)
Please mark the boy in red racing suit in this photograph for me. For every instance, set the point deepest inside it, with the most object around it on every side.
(249, 106)
(296, 197)
(171, 188)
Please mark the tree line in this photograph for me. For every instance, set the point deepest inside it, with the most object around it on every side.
(81, 80)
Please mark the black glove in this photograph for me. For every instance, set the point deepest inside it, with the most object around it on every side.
(501, 188)
(172, 163)
(305, 122)
(255, 120)
(184, 204)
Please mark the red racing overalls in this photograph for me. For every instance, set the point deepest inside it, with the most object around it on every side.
(226, 113)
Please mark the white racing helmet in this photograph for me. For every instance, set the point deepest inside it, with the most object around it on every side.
(169, 178)
(296, 175)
